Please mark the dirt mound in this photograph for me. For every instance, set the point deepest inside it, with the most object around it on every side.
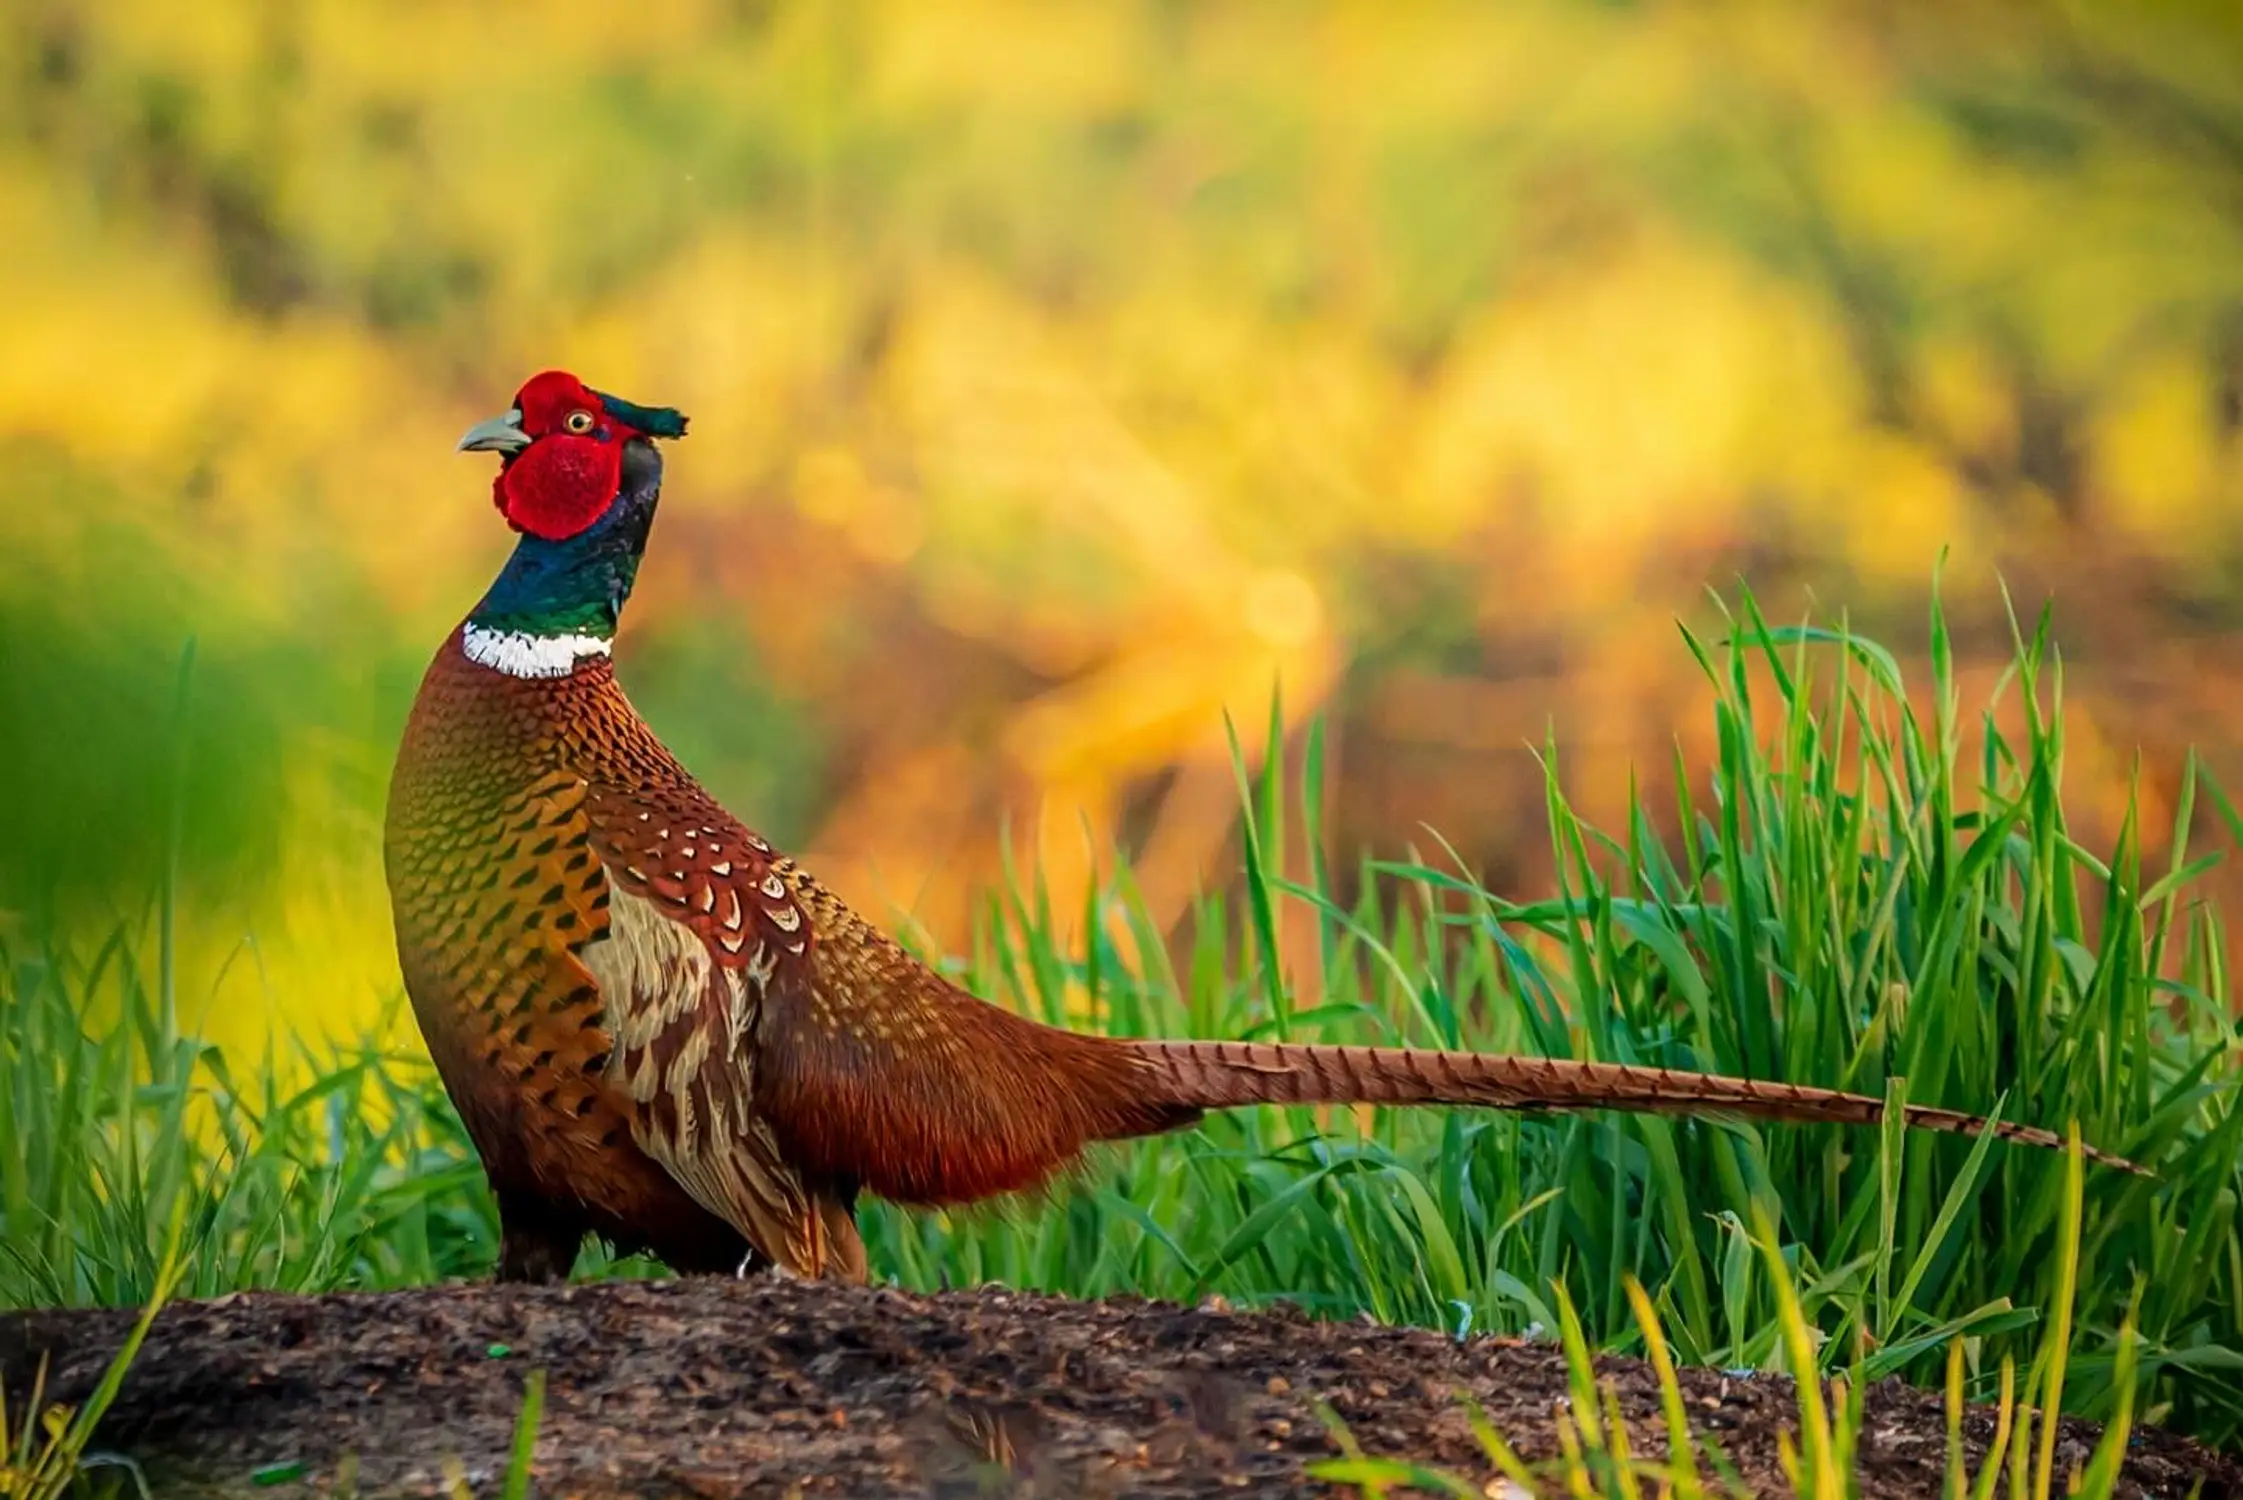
(715, 1388)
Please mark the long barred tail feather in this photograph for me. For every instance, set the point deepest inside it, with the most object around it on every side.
(1198, 1075)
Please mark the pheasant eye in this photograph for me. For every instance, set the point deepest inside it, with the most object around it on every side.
(578, 421)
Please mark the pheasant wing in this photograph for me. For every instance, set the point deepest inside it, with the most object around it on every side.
(701, 924)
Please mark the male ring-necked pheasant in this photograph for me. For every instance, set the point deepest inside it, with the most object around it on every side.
(659, 1029)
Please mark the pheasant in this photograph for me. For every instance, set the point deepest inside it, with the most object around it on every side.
(659, 1029)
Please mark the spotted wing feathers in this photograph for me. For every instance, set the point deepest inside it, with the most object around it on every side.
(701, 920)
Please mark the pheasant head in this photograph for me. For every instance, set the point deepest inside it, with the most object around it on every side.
(578, 479)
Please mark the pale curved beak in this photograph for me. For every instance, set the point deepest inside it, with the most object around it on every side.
(498, 435)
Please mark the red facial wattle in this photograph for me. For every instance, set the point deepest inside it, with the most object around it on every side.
(561, 483)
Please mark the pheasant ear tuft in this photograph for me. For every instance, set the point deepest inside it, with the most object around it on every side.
(654, 421)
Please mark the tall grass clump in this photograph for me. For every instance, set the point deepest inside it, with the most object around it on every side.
(1843, 897)
(344, 1167)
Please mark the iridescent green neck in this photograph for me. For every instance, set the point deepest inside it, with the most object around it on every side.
(576, 587)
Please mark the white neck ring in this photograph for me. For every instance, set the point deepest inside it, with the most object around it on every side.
(517, 653)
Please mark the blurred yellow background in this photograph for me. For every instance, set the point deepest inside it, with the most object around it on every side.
(1063, 375)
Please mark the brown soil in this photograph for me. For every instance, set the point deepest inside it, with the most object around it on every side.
(714, 1388)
